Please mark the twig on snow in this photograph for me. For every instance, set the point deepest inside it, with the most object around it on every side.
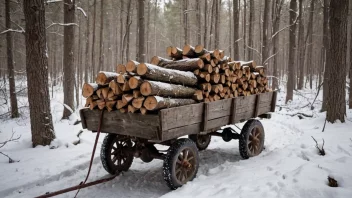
(2, 144)
(321, 150)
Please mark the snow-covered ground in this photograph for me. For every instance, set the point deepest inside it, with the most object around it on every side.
(288, 167)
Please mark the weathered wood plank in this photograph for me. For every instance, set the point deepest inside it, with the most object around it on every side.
(181, 131)
(218, 122)
(142, 126)
(257, 103)
(83, 119)
(206, 115)
(219, 108)
(266, 97)
(233, 110)
(264, 109)
(245, 101)
(182, 116)
(273, 101)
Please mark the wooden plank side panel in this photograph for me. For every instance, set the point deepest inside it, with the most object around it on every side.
(181, 131)
(219, 108)
(273, 101)
(181, 116)
(266, 97)
(142, 126)
(245, 101)
(83, 119)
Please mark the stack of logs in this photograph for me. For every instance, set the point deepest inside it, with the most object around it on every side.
(192, 75)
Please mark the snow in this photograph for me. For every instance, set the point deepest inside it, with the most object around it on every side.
(288, 167)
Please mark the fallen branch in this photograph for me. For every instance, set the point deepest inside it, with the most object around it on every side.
(321, 150)
(2, 144)
(311, 107)
(300, 115)
(10, 159)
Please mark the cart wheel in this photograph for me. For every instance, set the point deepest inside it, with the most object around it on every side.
(252, 139)
(116, 153)
(202, 141)
(181, 163)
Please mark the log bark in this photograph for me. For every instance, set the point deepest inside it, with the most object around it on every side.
(189, 51)
(154, 72)
(183, 65)
(104, 78)
(153, 103)
(174, 52)
(165, 89)
(160, 61)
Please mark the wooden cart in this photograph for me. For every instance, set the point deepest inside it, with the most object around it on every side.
(134, 135)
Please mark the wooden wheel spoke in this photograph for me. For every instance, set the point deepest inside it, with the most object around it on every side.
(190, 158)
(185, 154)
(178, 161)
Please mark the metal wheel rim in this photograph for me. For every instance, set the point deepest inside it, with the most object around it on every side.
(202, 139)
(254, 141)
(119, 152)
(185, 165)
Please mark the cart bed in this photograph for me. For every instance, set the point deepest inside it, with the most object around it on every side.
(184, 120)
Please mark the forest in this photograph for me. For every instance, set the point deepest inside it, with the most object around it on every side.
(58, 57)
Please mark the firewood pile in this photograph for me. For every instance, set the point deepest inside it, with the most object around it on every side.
(191, 75)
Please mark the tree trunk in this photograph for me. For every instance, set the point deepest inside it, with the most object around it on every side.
(89, 65)
(236, 29)
(230, 27)
(199, 23)
(37, 73)
(213, 7)
(251, 29)
(153, 103)
(101, 37)
(276, 14)
(10, 66)
(68, 64)
(126, 37)
(310, 63)
(121, 31)
(147, 27)
(217, 23)
(245, 55)
(205, 37)
(336, 104)
(95, 69)
(292, 50)
(301, 48)
(350, 76)
(185, 22)
(265, 43)
(326, 43)
(141, 32)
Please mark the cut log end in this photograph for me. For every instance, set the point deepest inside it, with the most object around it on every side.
(142, 69)
(146, 89)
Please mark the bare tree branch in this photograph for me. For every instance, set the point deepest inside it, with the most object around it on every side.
(12, 30)
(62, 24)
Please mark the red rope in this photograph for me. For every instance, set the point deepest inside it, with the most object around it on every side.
(83, 184)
